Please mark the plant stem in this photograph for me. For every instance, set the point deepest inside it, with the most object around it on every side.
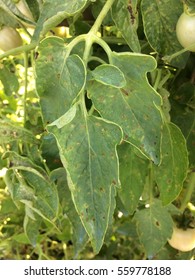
(189, 191)
(101, 16)
(25, 83)
(19, 50)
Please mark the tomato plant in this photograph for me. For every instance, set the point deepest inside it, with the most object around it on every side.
(96, 131)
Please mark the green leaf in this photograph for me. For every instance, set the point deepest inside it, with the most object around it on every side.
(53, 13)
(159, 20)
(9, 81)
(134, 107)
(125, 16)
(58, 78)
(172, 171)
(154, 227)
(30, 185)
(87, 148)
(80, 236)
(132, 180)
(10, 132)
(109, 75)
(31, 228)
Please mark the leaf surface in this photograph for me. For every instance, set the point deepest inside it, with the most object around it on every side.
(134, 107)
(125, 16)
(172, 171)
(154, 226)
(133, 172)
(59, 80)
(87, 148)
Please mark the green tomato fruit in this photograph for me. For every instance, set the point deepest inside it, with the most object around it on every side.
(9, 38)
(185, 31)
(182, 240)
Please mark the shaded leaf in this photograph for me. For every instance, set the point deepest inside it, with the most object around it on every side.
(109, 75)
(125, 16)
(154, 227)
(31, 228)
(32, 187)
(53, 13)
(135, 106)
(172, 171)
(58, 78)
(160, 27)
(87, 148)
(9, 81)
(12, 132)
(133, 172)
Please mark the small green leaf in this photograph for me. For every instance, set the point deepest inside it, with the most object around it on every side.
(125, 16)
(87, 148)
(154, 227)
(58, 79)
(132, 180)
(109, 75)
(9, 81)
(172, 171)
(31, 228)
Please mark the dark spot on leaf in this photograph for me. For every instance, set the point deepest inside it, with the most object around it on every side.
(58, 75)
(4, 132)
(124, 92)
(129, 8)
(114, 182)
(157, 223)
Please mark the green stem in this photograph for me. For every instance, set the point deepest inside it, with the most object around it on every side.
(25, 83)
(19, 50)
(101, 16)
(189, 191)
(158, 78)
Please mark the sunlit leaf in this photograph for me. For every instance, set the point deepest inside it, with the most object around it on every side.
(59, 80)
(87, 148)
(133, 107)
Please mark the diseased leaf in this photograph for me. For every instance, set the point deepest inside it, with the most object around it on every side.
(54, 12)
(135, 106)
(80, 236)
(87, 148)
(32, 187)
(59, 80)
(31, 228)
(154, 227)
(133, 172)
(9, 81)
(159, 20)
(125, 16)
(172, 171)
(109, 75)
(10, 132)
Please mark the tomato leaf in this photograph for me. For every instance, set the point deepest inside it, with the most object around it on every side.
(109, 75)
(125, 16)
(172, 171)
(159, 20)
(132, 180)
(154, 227)
(80, 236)
(135, 106)
(87, 148)
(58, 78)
(54, 13)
